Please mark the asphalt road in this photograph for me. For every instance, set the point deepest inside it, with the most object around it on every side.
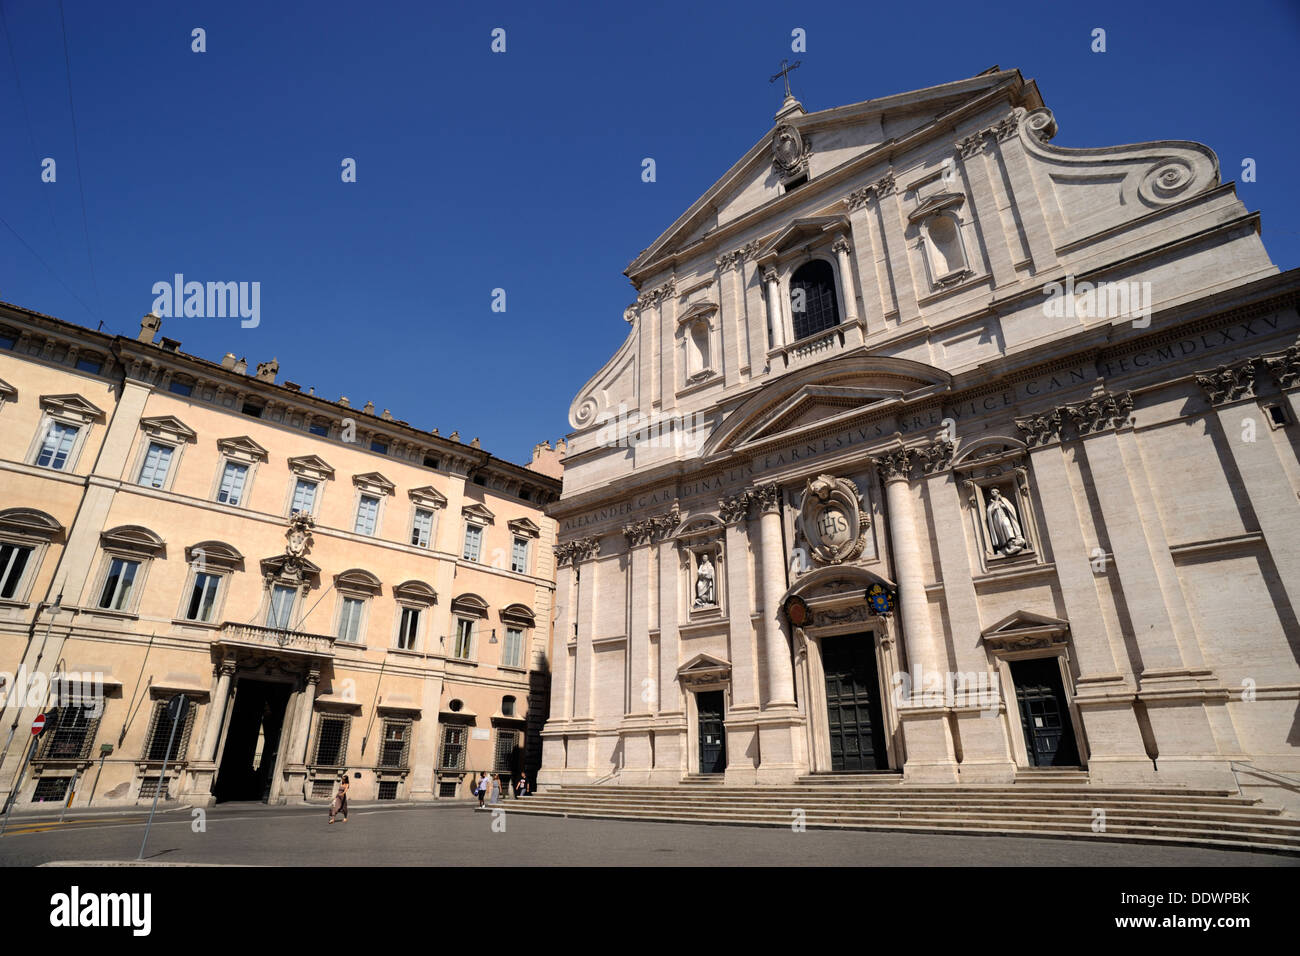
(458, 835)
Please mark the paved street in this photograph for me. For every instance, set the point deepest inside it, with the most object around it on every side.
(253, 834)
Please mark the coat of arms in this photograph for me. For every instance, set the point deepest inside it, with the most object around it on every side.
(833, 520)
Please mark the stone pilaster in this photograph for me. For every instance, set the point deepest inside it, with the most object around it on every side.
(776, 315)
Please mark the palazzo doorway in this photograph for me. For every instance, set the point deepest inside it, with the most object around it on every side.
(252, 741)
(1044, 713)
(711, 708)
(853, 712)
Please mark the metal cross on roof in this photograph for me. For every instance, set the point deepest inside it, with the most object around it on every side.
(785, 72)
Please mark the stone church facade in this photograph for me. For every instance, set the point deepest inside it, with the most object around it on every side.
(937, 449)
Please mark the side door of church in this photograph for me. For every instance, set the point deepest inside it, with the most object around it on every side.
(713, 742)
(1044, 714)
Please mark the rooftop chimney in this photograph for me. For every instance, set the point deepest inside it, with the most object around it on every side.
(267, 371)
(228, 360)
(149, 327)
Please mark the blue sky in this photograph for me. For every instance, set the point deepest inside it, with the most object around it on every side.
(521, 170)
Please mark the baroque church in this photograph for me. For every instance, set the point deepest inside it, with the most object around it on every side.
(958, 455)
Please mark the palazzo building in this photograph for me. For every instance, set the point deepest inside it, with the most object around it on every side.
(330, 590)
(940, 450)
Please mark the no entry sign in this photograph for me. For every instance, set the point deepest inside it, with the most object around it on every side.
(38, 724)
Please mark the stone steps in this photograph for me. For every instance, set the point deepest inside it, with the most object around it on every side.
(1199, 817)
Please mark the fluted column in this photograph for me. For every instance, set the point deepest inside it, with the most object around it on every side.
(922, 653)
(775, 314)
(217, 712)
(841, 249)
(776, 648)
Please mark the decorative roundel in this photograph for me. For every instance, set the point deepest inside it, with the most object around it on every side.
(796, 611)
(787, 148)
(880, 599)
(833, 520)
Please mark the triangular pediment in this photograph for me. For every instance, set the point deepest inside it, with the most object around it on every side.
(1025, 626)
(312, 465)
(703, 664)
(800, 231)
(168, 426)
(834, 392)
(834, 137)
(524, 527)
(375, 482)
(72, 406)
(242, 448)
(478, 512)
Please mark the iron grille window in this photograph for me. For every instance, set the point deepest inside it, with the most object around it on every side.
(388, 790)
(447, 788)
(507, 744)
(69, 732)
(454, 740)
(322, 788)
(396, 744)
(332, 740)
(149, 786)
(50, 788)
(161, 730)
(813, 303)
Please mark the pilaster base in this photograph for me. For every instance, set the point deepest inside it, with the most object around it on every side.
(986, 756)
(928, 744)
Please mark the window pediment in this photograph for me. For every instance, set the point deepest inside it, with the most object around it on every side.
(524, 528)
(242, 449)
(133, 539)
(216, 554)
(357, 580)
(72, 407)
(699, 310)
(311, 466)
(935, 204)
(798, 233)
(416, 592)
(169, 428)
(470, 605)
(29, 524)
(1025, 629)
(374, 482)
(478, 514)
(7, 391)
(704, 669)
(518, 614)
(428, 496)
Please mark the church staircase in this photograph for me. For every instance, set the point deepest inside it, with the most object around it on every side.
(1044, 808)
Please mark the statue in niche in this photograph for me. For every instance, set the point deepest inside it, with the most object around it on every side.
(705, 590)
(1004, 525)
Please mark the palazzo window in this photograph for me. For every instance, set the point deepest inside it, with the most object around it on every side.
(280, 614)
(413, 599)
(211, 564)
(309, 476)
(507, 744)
(463, 648)
(128, 550)
(455, 744)
(239, 458)
(477, 517)
(518, 620)
(13, 565)
(70, 731)
(519, 556)
(467, 611)
(523, 531)
(160, 731)
(473, 543)
(25, 535)
(332, 740)
(203, 597)
(426, 502)
(56, 445)
(395, 744)
(355, 588)
(159, 454)
(65, 422)
(372, 489)
(814, 305)
(422, 528)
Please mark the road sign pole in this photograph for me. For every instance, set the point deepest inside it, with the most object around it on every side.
(72, 794)
(179, 703)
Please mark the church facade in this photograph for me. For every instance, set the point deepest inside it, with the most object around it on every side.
(936, 449)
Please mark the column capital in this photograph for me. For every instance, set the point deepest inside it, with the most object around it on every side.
(654, 528)
(841, 246)
(580, 549)
(1041, 429)
(735, 509)
(1228, 383)
(227, 667)
(1285, 368)
(768, 497)
(936, 456)
(313, 676)
(770, 274)
(895, 465)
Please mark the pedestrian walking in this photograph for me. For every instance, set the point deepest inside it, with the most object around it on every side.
(340, 804)
(521, 786)
(481, 789)
(495, 790)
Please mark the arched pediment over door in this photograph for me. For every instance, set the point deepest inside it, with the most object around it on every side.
(822, 395)
(836, 595)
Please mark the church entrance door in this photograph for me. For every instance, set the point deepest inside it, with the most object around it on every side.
(853, 703)
(252, 740)
(1044, 715)
(713, 739)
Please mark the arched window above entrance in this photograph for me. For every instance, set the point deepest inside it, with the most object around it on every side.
(814, 304)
